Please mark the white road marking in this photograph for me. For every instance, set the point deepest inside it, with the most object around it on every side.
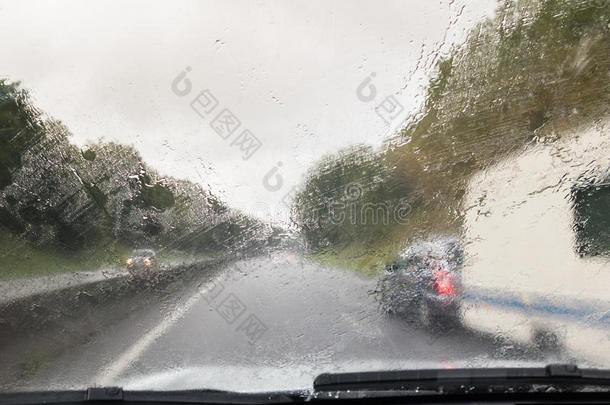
(117, 367)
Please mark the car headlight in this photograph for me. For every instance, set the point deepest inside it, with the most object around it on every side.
(129, 261)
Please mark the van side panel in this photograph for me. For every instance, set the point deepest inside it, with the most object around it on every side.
(522, 271)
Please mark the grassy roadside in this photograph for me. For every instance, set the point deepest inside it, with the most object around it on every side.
(370, 258)
(20, 259)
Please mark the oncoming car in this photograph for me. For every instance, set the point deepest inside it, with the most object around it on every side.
(142, 261)
(423, 285)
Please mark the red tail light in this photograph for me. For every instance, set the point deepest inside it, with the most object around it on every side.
(443, 282)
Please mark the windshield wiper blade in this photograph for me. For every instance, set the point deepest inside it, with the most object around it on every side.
(559, 377)
(550, 383)
(110, 395)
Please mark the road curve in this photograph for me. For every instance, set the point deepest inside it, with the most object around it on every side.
(271, 322)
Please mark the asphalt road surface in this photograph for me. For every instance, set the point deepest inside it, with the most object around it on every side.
(271, 322)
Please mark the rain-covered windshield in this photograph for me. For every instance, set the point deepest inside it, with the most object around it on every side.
(243, 195)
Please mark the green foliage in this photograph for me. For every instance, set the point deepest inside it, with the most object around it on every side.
(538, 67)
(89, 155)
(156, 195)
(19, 129)
(346, 194)
(56, 199)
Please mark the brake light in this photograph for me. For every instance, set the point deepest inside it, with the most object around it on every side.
(443, 282)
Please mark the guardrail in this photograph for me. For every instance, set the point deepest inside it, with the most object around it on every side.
(67, 313)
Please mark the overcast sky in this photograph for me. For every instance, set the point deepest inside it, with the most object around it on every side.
(288, 71)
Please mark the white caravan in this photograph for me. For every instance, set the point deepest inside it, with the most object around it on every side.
(537, 246)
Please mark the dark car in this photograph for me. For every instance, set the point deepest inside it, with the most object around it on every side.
(423, 284)
(142, 261)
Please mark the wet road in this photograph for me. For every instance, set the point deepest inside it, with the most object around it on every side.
(261, 324)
